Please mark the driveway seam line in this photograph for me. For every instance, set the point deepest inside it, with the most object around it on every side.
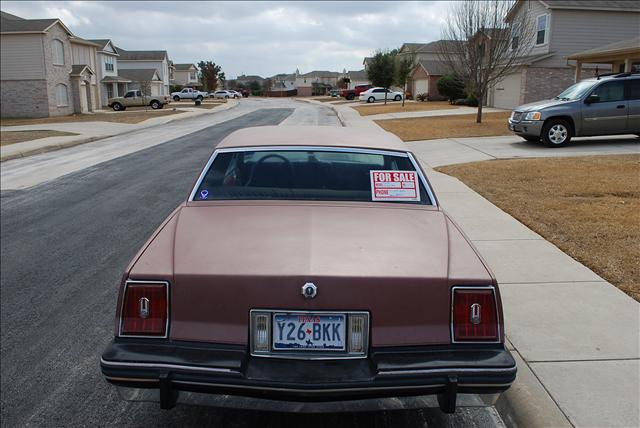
(584, 360)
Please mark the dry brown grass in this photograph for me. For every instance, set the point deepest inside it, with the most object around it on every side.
(12, 137)
(463, 125)
(588, 206)
(396, 107)
(129, 116)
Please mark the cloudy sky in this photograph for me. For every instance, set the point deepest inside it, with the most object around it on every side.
(262, 38)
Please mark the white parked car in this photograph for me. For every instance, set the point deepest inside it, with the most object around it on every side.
(189, 94)
(377, 94)
(223, 94)
(236, 94)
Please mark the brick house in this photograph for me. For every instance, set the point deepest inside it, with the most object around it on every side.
(40, 76)
(429, 68)
(316, 82)
(563, 28)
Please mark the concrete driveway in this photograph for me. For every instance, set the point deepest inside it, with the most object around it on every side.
(449, 151)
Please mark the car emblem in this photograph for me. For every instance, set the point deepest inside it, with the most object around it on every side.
(475, 313)
(143, 306)
(309, 290)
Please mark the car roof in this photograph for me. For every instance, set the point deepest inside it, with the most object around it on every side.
(320, 136)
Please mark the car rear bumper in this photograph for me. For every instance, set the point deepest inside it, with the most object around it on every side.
(189, 372)
(530, 128)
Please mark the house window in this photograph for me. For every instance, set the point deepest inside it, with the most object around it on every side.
(58, 52)
(62, 97)
(193, 76)
(515, 36)
(108, 63)
(542, 24)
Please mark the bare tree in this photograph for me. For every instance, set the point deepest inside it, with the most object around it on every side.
(145, 91)
(404, 68)
(482, 46)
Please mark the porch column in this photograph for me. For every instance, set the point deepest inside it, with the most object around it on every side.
(627, 66)
(578, 71)
(115, 89)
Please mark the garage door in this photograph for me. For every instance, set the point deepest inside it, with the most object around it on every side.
(506, 94)
(421, 86)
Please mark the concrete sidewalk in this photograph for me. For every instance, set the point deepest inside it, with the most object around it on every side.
(574, 335)
(430, 113)
(92, 131)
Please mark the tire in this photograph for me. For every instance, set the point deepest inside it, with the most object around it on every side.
(397, 98)
(556, 133)
(371, 100)
(176, 98)
(351, 97)
(155, 104)
(226, 97)
(531, 139)
(117, 107)
(199, 98)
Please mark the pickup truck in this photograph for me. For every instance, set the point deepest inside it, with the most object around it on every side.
(351, 94)
(189, 94)
(137, 99)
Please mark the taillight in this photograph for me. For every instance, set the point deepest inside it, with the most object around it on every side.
(474, 315)
(145, 309)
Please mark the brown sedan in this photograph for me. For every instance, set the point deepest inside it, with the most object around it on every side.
(309, 269)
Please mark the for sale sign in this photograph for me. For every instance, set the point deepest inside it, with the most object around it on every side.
(394, 186)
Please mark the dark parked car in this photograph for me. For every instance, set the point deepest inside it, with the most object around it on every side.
(599, 106)
(309, 268)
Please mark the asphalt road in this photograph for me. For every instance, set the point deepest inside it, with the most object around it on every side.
(64, 244)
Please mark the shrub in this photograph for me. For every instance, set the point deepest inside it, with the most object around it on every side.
(422, 97)
(470, 101)
(451, 87)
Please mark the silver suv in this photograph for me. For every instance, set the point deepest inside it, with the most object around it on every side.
(599, 106)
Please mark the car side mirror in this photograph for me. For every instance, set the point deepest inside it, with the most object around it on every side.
(593, 98)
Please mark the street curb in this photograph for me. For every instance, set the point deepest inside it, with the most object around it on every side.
(56, 147)
(527, 403)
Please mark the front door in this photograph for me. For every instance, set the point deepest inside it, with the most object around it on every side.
(608, 113)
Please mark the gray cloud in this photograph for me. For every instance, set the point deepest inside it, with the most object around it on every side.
(250, 37)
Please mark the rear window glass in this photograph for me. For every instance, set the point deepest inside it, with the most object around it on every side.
(299, 175)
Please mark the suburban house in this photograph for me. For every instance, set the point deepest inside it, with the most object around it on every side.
(186, 75)
(147, 80)
(563, 28)
(622, 57)
(429, 67)
(283, 82)
(356, 77)
(246, 80)
(45, 70)
(316, 82)
(152, 60)
(111, 84)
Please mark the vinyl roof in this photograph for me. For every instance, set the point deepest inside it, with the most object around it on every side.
(322, 136)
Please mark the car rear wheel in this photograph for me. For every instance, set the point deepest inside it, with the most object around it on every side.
(370, 99)
(351, 96)
(397, 98)
(199, 98)
(176, 98)
(117, 107)
(556, 133)
(155, 105)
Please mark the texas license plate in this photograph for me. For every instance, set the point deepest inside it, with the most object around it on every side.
(309, 332)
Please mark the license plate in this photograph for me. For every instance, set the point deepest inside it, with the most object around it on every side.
(309, 332)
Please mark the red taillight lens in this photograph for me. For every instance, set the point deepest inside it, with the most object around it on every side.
(145, 310)
(475, 316)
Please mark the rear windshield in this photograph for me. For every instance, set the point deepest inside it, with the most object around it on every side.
(308, 175)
